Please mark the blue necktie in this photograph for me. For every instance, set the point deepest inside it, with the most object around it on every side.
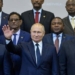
(14, 40)
(38, 54)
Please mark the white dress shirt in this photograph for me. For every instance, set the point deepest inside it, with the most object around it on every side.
(40, 48)
(40, 11)
(17, 36)
(55, 36)
(70, 18)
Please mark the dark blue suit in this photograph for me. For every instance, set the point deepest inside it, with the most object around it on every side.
(48, 64)
(2, 51)
(49, 39)
(4, 20)
(24, 37)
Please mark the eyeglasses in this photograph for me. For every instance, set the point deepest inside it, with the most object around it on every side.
(11, 20)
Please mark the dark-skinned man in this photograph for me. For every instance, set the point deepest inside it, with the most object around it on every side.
(69, 21)
(37, 14)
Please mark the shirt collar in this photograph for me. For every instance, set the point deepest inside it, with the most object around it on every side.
(54, 35)
(18, 32)
(40, 43)
(38, 10)
(71, 17)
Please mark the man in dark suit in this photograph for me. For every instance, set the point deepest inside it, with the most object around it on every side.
(3, 17)
(15, 21)
(44, 17)
(57, 28)
(67, 58)
(37, 57)
(69, 27)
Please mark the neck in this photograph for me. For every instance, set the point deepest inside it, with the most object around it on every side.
(72, 15)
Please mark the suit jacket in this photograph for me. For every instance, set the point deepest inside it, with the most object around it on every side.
(4, 21)
(68, 27)
(2, 55)
(48, 64)
(67, 58)
(49, 39)
(28, 20)
(24, 37)
(2, 51)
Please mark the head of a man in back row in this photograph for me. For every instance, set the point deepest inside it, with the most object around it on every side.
(37, 4)
(57, 25)
(70, 7)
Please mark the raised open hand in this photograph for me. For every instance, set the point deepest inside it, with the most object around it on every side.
(7, 32)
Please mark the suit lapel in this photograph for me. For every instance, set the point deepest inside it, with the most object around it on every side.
(3, 17)
(69, 24)
(20, 37)
(43, 16)
(32, 52)
(44, 53)
(31, 17)
(63, 40)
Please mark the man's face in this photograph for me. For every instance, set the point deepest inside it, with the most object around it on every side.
(14, 22)
(37, 33)
(37, 4)
(1, 4)
(57, 25)
(70, 7)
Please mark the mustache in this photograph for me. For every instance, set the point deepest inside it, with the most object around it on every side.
(36, 3)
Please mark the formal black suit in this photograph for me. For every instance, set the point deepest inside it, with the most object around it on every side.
(67, 26)
(67, 58)
(4, 21)
(49, 39)
(48, 64)
(45, 19)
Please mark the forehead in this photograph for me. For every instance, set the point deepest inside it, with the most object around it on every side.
(14, 16)
(70, 2)
(56, 20)
(36, 28)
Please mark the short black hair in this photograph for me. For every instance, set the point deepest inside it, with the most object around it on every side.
(12, 13)
(58, 18)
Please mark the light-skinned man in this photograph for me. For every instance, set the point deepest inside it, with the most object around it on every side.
(37, 57)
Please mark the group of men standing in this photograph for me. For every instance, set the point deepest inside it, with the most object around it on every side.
(36, 42)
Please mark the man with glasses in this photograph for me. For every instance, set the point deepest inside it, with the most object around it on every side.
(15, 21)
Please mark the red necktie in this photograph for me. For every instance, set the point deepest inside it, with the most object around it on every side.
(36, 17)
(57, 43)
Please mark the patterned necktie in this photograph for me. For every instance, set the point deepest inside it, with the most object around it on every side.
(37, 54)
(57, 43)
(36, 17)
(72, 22)
(14, 40)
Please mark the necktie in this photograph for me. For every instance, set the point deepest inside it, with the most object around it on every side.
(72, 22)
(14, 40)
(37, 54)
(57, 43)
(36, 17)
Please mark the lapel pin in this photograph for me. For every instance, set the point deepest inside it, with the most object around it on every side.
(21, 37)
(4, 17)
(44, 16)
